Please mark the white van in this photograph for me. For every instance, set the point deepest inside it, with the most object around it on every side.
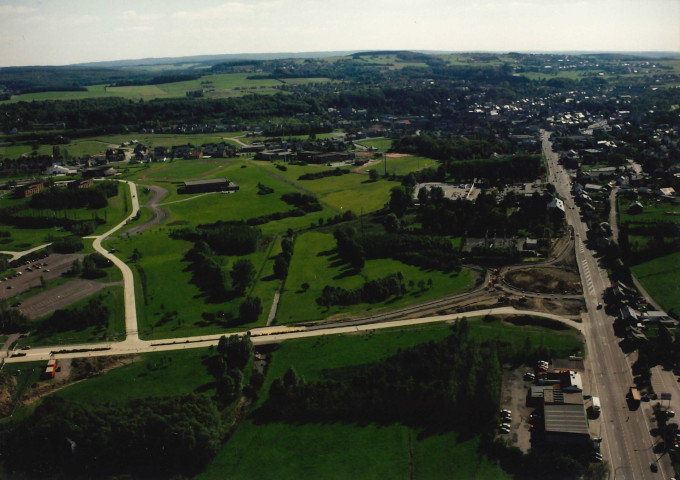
(596, 404)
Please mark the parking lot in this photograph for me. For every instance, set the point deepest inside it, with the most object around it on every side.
(514, 396)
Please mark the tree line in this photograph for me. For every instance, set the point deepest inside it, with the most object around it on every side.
(455, 381)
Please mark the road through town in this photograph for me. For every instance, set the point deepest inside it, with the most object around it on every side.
(627, 443)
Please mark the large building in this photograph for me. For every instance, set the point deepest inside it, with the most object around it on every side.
(28, 190)
(210, 185)
(565, 417)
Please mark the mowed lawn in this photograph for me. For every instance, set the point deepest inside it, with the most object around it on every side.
(148, 375)
(340, 450)
(652, 212)
(163, 284)
(316, 263)
(661, 279)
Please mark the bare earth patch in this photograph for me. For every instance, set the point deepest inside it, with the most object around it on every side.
(545, 280)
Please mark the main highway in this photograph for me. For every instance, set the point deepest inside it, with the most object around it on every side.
(627, 443)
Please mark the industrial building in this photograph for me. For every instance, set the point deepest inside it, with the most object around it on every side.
(210, 185)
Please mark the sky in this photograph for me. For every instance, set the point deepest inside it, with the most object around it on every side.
(62, 32)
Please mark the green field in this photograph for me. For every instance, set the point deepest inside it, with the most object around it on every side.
(165, 286)
(315, 263)
(338, 450)
(661, 279)
(213, 86)
(653, 211)
(383, 144)
(21, 239)
(347, 192)
(401, 166)
(148, 375)
(113, 299)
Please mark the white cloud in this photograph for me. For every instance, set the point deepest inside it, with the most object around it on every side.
(132, 15)
(84, 19)
(15, 9)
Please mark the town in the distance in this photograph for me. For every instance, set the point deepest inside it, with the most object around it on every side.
(384, 264)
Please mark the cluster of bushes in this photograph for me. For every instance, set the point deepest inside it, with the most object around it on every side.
(336, 172)
(350, 249)
(425, 251)
(93, 265)
(431, 384)
(263, 189)
(70, 244)
(262, 219)
(64, 198)
(93, 313)
(373, 291)
(233, 355)
(13, 321)
(210, 274)
(282, 260)
(308, 203)
(223, 238)
(153, 435)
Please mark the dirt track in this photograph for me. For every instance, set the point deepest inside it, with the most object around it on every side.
(544, 280)
(159, 213)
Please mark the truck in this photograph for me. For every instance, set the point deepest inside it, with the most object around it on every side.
(634, 397)
(596, 405)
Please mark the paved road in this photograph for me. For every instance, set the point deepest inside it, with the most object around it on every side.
(259, 336)
(131, 334)
(627, 444)
(16, 255)
(160, 214)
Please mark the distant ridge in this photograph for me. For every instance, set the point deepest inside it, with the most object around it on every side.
(211, 59)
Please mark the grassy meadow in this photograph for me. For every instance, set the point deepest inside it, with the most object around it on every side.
(316, 263)
(661, 279)
(148, 375)
(341, 450)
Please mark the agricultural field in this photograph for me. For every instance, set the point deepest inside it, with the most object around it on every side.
(661, 279)
(316, 263)
(339, 450)
(213, 86)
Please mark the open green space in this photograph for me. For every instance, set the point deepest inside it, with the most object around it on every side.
(115, 330)
(315, 263)
(661, 279)
(242, 205)
(401, 166)
(346, 192)
(21, 239)
(168, 303)
(339, 450)
(148, 375)
(653, 211)
(383, 144)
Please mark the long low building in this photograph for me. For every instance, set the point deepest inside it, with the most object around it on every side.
(210, 185)
(565, 418)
